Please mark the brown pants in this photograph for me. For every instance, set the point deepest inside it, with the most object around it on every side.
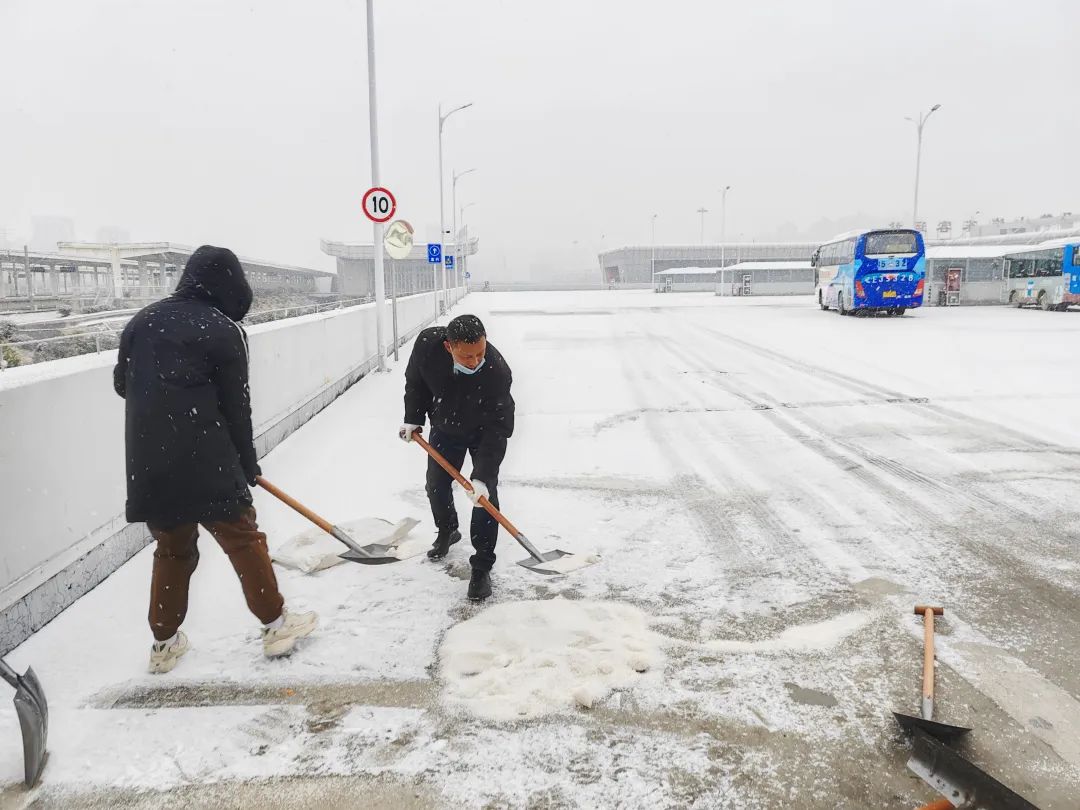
(177, 555)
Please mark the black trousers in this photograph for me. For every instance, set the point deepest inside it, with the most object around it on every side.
(484, 529)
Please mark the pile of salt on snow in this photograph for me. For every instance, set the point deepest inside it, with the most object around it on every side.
(314, 550)
(521, 660)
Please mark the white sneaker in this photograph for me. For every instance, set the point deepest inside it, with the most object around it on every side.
(164, 655)
(281, 640)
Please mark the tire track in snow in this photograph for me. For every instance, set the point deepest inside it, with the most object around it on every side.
(996, 544)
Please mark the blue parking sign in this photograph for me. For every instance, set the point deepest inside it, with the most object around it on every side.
(449, 262)
(434, 253)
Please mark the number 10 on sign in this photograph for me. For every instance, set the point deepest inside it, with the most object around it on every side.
(379, 204)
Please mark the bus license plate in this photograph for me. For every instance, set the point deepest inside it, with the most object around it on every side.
(889, 294)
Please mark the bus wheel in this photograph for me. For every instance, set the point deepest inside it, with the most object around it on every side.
(840, 304)
(1044, 302)
(899, 312)
(821, 300)
(1015, 300)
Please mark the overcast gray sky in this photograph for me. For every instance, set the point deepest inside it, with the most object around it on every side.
(245, 123)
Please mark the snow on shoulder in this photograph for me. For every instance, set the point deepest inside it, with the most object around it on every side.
(521, 660)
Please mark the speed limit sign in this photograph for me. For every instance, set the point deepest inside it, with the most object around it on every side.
(379, 204)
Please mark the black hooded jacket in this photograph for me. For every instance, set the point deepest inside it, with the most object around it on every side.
(476, 407)
(183, 371)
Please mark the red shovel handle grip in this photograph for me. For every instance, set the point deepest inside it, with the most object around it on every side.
(457, 476)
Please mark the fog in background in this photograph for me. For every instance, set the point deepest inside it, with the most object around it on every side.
(245, 124)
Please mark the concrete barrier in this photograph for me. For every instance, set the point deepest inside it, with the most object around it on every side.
(62, 490)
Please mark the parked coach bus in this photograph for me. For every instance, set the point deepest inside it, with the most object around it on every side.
(1046, 277)
(872, 272)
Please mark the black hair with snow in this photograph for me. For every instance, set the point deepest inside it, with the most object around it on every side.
(465, 329)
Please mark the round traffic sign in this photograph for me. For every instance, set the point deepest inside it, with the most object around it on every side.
(398, 239)
(379, 204)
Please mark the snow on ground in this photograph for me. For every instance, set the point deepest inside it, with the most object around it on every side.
(770, 489)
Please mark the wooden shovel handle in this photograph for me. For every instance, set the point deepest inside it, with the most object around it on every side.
(457, 476)
(928, 614)
(288, 500)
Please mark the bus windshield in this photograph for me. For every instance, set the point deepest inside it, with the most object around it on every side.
(890, 242)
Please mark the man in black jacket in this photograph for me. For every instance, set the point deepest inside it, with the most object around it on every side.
(182, 369)
(463, 383)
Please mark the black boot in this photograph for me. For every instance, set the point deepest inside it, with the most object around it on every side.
(479, 585)
(442, 544)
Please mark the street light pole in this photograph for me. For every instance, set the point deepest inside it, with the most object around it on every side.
(461, 263)
(723, 226)
(442, 214)
(377, 245)
(703, 211)
(919, 124)
(653, 261)
(453, 213)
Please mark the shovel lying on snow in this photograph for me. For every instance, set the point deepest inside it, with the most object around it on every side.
(926, 721)
(374, 554)
(961, 782)
(33, 713)
(539, 562)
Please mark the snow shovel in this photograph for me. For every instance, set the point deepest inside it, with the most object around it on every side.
(33, 713)
(926, 722)
(961, 782)
(538, 562)
(374, 554)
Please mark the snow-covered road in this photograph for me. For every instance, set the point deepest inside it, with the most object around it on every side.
(773, 486)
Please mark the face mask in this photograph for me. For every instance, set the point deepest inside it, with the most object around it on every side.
(460, 369)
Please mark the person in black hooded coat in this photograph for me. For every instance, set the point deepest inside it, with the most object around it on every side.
(182, 369)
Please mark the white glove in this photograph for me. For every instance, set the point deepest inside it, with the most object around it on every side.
(406, 432)
(480, 490)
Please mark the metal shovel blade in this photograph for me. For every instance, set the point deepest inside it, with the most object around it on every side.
(374, 554)
(961, 782)
(33, 712)
(548, 556)
(943, 731)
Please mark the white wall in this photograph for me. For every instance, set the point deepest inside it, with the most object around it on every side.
(62, 487)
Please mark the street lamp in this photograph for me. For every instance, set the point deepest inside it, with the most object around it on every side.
(453, 212)
(703, 211)
(462, 268)
(919, 124)
(653, 261)
(442, 215)
(377, 235)
(723, 224)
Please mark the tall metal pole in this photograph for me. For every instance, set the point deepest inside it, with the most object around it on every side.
(373, 121)
(723, 230)
(29, 278)
(461, 264)
(454, 212)
(919, 124)
(442, 218)
(703, 211)
(653, 260)
(442, 213)
(393, 304)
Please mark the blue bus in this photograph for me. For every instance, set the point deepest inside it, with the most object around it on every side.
(871, 272)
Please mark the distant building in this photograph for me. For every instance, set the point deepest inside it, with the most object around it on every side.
(1047, 222)
(47, 232)
(635, 266)
(110, 234)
